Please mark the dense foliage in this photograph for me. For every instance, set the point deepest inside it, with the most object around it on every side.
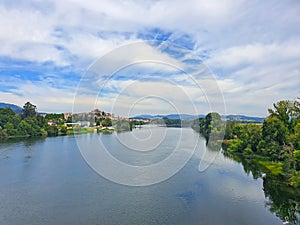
(55, 116)
(107, 122)
(29, 110)
(212, 128)
(123, 125)
(26, 124)
(274, 145)
(278, 140)
(165, 121)
(29, 123)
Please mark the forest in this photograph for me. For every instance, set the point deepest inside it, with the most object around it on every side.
(274, 145)
(28, 123)
(31, 124)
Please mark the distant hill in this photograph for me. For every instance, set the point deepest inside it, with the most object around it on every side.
(244, 118)
(241, 118)
(169, 116)
(15, 108)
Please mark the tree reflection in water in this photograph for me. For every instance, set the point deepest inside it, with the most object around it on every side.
(281, 199)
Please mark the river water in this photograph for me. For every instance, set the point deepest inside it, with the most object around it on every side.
(47, 181)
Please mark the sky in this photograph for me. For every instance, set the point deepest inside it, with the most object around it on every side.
(150, 57)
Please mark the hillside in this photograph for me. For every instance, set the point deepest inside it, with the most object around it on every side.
(240, 118)
(15, 108)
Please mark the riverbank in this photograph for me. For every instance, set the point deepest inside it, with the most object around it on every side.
(32, 124)
(69, 131)
(273, 145)
(262, 167)
(283, 196)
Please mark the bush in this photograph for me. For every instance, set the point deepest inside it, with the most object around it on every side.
(64, 130)
(294, 180)
(52, 130)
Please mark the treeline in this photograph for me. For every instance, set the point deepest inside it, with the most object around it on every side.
(27, 124)
(212, 127)
(125, 125)
(165, 121)
(274, 145)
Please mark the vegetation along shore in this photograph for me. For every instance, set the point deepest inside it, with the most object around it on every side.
(273, 147)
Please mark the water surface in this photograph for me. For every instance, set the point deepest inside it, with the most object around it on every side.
(46, 181)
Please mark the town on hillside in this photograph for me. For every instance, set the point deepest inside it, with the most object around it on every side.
(27, 122)
(94, 118)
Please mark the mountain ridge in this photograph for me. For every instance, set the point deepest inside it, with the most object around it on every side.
(231, 117)
(243, 118)
(17, 109)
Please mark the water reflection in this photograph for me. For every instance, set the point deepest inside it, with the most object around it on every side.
(56, 186)
(282, 200)
(8, 147)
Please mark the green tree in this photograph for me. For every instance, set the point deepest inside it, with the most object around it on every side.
(34, 124)
(212, 128)
(41, 121)
(123, 125)
(281, 111)
(106, 122)
(274, 130)
(297, 159)
(29, 126)
(251, 136)
(98, 121)
(237, 130)
(24, 128)
(295, 111)
(69, 119)
(3, 134)
(8, 115)
(294, 138)
(54, 116)
(29, 110)
(7, 112)
(52, 130)
(286, 111)
(212, 120)
(10, 129)
(58, 118)
(15, 120)
(235, 145)
(274, 136)
(230, 125)
(63, 129)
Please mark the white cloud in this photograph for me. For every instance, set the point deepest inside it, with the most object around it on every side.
(184, 97)
(259, 74)
(252, 46)
(257, 53)
(41, 93)
(26, 35)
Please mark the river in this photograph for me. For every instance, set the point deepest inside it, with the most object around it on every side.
(47, 181)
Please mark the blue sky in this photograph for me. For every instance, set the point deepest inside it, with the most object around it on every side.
(250, 48)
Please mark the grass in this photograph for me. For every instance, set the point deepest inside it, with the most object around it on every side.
(105, 130)
(81, 131)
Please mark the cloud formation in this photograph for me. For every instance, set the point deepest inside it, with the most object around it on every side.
(251, 47)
